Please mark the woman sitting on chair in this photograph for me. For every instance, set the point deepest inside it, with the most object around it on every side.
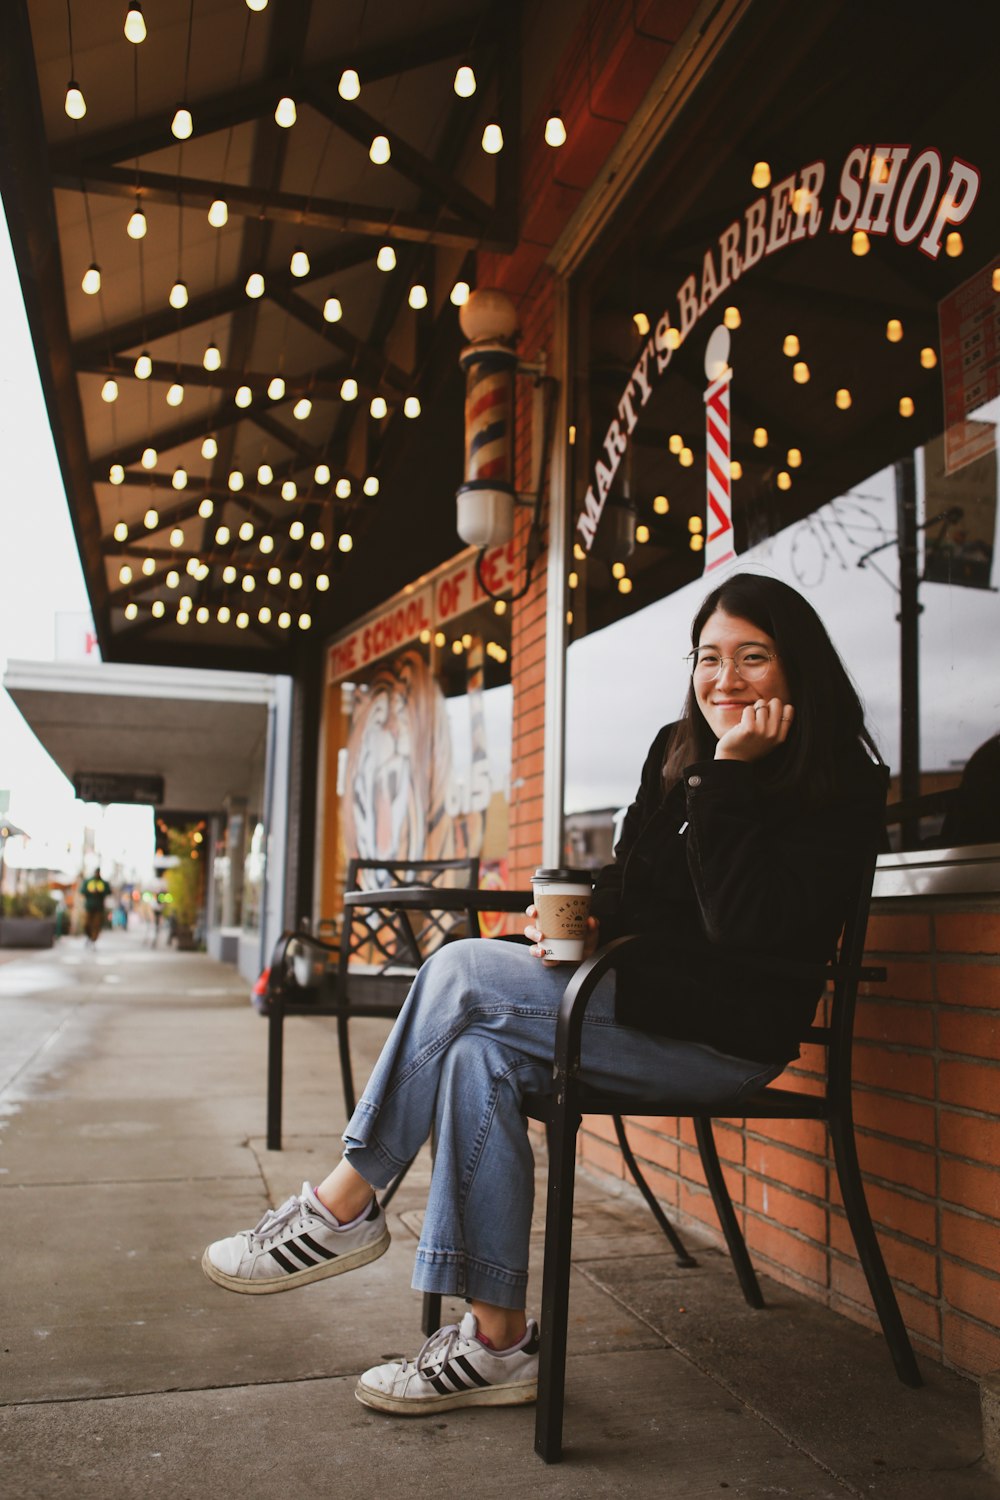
(754, 815)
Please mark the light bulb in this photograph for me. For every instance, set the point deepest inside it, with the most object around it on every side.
(894, 330)
(735, 472)
(343, 489)
(289, 490)
(465, 82)
(321, 474)
(349, 389)
(135, 25)
(295, 580)
(121, 532)
(411, 407)
(136, 226)
(641, 324)
(151, 519)
(332, 310)
(794, 458)
(299, 264)
(641, 536)
(322, 582)
(246, 531)
(274, 575)
(179, 479)
(176, 537)
(675, 442)
(731, 317)
(380, 151)
(685, 458)
(116, 474)
(256, 5)
(760, 437)
(296, 531)
(248, 585)
(555, 130)
(459, 293)
(418, 296)
(378, 407)
(222, 535)
(125, 574)
(91, 282)
(172, 579)
(345, 541)
(264, 473)
(178, 295)
(276, 388)
(673, 338)
(175, 394)
(284, 619)
(229, 574)
(696, 542)
(209, 447)
(109, 391)
(264, 615)
(131, 610)
(370, 485)
(285, 113)
(266, 544)
(661, 505)
(244, 396)
(255, 285)
(302, 408)
(492, 138)
(618, 568)
(148, 459)
(784, 480)
(860, 243)
(206, 508)
(906, 407)
(842, 399)
(791, 345)
(143, 366)
(305, 621)
(349, 86)
(157, 609)
(386, 258)
(235, 480)
(218, 214)
(223, 614)
(800, 372)
(76, 104)
(201, 614)
(761, 174)
(953, 244)
(212, 358)
(624, 585)
(182, 124)
(928, 358)
(317, 541)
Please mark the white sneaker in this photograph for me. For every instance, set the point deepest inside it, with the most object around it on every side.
(454, 1369)
(293, 1244)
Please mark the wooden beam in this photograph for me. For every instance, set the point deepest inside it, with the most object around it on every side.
(309, 383)
(369, 362)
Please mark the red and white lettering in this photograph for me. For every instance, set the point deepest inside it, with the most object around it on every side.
(845, 210)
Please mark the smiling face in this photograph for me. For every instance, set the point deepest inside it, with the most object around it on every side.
(722, 699)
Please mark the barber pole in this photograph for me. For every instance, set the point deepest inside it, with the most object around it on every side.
(719, 547)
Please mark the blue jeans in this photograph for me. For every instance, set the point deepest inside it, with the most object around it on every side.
(476, 1033)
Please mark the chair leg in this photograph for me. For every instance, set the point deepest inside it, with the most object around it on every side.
(683, 1256)
(845, 1155)
(430, 1320)
(562, 1131)
(727, 1216)
(346, 1074)
(275, 1045)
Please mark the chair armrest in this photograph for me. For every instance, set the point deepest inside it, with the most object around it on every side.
(573, 1005)
(277, 983)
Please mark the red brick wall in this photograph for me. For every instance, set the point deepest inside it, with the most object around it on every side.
(927, 1109)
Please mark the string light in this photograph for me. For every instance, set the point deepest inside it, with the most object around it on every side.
(273, 576)
(790, 345)
(151, 519)
(246, 531)
(860, 243)
(760, 437)
(157, 608)
(641, 324)
(264, 473)
(285, 113)
(135, 24)
(343, 489)
(218, 214)
(492, 139)
(76, 104)
(124, 573)
(131, 610)
(906, 406)
(386, 258)
(148, 459)
(173, 579)
(206, 508)
(465, 82)
(266, 544)
(143, 366)
(317, 541)
(256, 5)
(345, 541)
(247, 583)
(894, 330)
(178, 295)
(624, 586)
(555, 130)
(209, 447)
(842, 400)
(148, 567)
(242, 620)
(349, 86)
(793, 458)
(255, 285)
(177, 537)
(91, 282)
(735, 469)
(179, 479)
(761, 174)
(212, 358)
(696, 542)
(175, 394)
(244, 396)
(229, 574)
(675, 442)
(660, 505)
(302, 408)
(332, 310)
(371, 485)
(800, 372)
(276, 388)
(264, 615)
(928, 358)
(618, 570)
(321, 474)
(685, 458)
(296, 531)
(235, 480)
(641, 536)
(121, 532)
(295, 580)
(953, 244)
(222, 535)
(731, 317)
(284, 619)
(299, 263)
(349, 389)
(116, 474)
(109, 391)
(380, 151)
(136, 226)
(695, 523)
(201, 614)
(784, 480)
(459, 293)
(182, 124)
(411, 407)
(378, 407)
(289, 489)
(322, 582)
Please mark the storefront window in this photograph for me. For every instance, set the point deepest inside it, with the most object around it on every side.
(787, 359)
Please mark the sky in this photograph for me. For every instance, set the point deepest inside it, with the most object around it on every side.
(41, 575)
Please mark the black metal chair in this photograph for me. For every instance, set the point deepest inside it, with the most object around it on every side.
(561, 1113)
(379, 951)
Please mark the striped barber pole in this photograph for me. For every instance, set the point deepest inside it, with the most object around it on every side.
(719, 547)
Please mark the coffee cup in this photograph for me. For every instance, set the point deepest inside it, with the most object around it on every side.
(562, 899)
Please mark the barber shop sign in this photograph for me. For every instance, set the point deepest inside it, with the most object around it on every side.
(912, 196)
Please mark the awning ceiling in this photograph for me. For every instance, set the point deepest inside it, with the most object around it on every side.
(70, 186)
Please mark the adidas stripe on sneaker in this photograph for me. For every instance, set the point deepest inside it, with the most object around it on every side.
(454, 1369)
(295, 1244)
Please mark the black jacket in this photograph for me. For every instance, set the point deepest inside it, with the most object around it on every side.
(720, 871)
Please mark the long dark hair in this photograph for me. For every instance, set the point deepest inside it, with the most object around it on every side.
(829, 719)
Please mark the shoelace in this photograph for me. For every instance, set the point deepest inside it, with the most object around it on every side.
(275, 1219)
(438, 1349)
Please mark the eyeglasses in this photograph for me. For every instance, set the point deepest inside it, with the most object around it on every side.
(749, 662)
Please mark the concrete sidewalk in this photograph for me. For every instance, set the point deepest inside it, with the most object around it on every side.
(132, 1133)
